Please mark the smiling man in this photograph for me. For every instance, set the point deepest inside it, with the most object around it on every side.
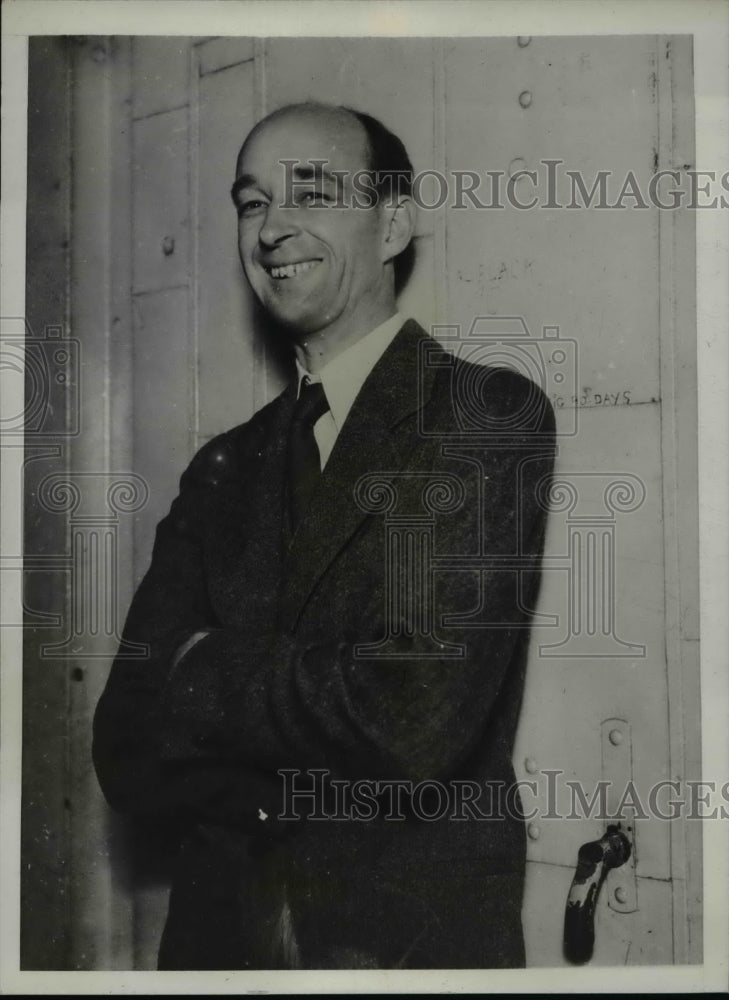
(320, 264)
(324, 718)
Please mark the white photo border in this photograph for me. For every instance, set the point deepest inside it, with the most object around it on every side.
(706, 21)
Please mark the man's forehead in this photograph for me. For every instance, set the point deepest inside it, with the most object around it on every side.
(304, 134)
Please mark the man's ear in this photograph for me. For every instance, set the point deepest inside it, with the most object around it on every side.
(400, 227)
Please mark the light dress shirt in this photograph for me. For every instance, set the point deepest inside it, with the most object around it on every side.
(343, 377)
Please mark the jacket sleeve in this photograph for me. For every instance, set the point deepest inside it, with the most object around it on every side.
(271, 702)
(170, 605)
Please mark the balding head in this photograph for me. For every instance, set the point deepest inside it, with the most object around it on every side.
(319, 259)
(336, 123)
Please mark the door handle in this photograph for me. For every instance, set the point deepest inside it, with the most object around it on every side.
(594, 861)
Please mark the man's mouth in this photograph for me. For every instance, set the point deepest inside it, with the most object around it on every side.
(290, 270)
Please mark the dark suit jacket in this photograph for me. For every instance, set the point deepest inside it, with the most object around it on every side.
(277, 685)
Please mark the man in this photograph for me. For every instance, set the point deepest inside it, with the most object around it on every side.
(288, 663)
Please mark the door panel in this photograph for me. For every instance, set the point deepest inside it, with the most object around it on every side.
(579, 690)
(592, 273)
(227, 355)
(162, 390)
(160, 74)
(160, 204)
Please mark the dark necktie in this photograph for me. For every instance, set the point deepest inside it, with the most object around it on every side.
(303, 456)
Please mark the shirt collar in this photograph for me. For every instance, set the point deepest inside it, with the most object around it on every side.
(345, 374)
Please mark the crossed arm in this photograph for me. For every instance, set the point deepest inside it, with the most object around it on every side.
(201, 726)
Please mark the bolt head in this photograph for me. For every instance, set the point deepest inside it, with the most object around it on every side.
(525, 98)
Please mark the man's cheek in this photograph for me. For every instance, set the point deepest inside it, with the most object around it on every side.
(253, 274)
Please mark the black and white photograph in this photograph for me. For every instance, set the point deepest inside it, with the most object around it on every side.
(361, 565)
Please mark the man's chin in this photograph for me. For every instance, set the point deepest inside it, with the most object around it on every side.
(295, 325)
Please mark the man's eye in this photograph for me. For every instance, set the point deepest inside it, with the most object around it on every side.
(313, 198)
(251, 206)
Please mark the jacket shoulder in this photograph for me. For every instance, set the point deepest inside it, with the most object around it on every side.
(493, 398)
(224, 457)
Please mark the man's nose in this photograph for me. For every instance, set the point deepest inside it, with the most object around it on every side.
(278, 225)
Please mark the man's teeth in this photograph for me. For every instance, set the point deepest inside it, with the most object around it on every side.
(291, 270)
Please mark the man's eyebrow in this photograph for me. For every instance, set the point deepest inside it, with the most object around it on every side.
(307, 172)
(244, 181)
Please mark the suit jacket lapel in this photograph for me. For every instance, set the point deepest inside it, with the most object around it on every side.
(248, 517)
(366, 444)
